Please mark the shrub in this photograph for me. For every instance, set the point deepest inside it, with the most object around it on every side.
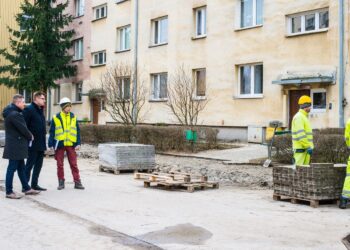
(329, 147)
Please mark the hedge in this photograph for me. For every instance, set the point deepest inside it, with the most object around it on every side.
(329, 147)
(164, 138)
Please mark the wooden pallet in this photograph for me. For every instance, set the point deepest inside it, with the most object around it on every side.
(313, 203)
(121, 171)
(176, 181)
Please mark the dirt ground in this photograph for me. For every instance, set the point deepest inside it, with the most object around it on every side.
(117, 212)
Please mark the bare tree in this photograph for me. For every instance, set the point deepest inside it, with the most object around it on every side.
(117, 86)
(183, 99)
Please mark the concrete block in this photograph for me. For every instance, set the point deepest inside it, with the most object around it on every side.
(126, 156)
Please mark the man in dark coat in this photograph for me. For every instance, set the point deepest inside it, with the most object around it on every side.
(17, 137)
(35, 120)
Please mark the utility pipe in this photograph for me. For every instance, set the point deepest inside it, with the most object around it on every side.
(136, 34)
(341, 63)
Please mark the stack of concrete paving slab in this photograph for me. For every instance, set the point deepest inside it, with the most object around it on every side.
(317, 182)
(2, 138)
(125, 156)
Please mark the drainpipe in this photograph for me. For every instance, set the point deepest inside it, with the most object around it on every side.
(136, 34)
(341, 63)
(49, 106)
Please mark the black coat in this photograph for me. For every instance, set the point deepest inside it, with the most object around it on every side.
(17, 135)
(35, 120)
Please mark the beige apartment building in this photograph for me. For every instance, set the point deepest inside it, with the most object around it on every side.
(252, 58)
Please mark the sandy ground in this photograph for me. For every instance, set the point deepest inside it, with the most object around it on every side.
(117, 212)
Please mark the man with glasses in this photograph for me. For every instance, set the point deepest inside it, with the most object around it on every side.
(35, 120)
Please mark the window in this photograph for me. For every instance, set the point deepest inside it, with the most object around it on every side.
(251, 13)
(251, 80)
(99, 58)
(160, 30)
(308, 22)
(79, 7)
(201, 21)
(120, 1)
(26, 94)
(123, 38)
(124, 88)
(78, 49)
(24, 23)
(200, 81)
(78, 91)
(319, 100)
(159, 86)
(57, 96)
(100, 11)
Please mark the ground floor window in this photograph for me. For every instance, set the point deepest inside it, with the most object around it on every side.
(319, 100)
(159, 86)
(251, 80)
(26, 94)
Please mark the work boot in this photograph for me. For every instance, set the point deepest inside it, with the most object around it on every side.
(38, 188)
(60, 184)
(343, 203)
(78, 185)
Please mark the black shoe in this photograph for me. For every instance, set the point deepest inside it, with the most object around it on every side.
(60, 184)
(343, 203)
(78, 185)
(38, 188)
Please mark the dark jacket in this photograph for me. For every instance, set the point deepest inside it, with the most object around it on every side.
(17, 135)
(52, 141)
(35, 120)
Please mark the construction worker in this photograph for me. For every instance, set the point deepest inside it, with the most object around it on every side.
(346, 188)
(65, 137)
(302, 133)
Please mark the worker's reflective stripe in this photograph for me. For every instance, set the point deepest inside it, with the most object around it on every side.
(299, 131)
(346, 192)
(309, 133)
(299, 138)
(66, 134)
(347, 175)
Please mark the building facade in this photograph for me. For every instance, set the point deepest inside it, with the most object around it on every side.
(8, 10)
(252, 59)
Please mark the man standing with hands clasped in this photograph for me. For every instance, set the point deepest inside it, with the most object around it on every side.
(17, 138)
(65, 137)
(35, 120)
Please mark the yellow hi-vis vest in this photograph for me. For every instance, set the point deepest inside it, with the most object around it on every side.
(302, 131)
(66, 132)
(347, 133)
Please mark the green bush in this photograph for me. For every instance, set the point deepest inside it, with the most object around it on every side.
(164, 138)
(329, 147)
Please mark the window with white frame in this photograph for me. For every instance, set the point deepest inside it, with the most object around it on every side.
(123, 38)
(319, 100)
(100, 11)
(26, 94)
(78, 92)
(99, 58)
(159, 86)
(78, 49)
(200, 82)
(308, 22)
(79, 7)
(160, 30)
(251, 13)
(124, 88)
(24, 23)
(251, 80)
(201, 21)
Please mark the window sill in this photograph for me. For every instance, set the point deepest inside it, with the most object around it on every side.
(121, 1)
(157, 45)
(318, 111)
(158, 100)
(97, 66)
(98, 19)
(122, 51)
(248, 28)
(77, 102)
(77, 60)
(199, 37)
(307, 33)
(257, 96)
(199, 98)
(76, 17)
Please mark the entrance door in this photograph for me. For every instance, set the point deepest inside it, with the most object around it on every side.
(95, 110)
(294, 96)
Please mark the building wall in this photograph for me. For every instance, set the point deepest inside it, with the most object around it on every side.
(8, 9)
(224, 48)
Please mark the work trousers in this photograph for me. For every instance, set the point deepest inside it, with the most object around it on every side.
(72, 159)
(301, 158)
(16, 165)
(35, 162)
(346, 187)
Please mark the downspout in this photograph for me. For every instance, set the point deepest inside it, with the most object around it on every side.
(341, 63)
(136, 34)
(49, 106)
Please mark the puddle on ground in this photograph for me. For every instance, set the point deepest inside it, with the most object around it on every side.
(182, 234)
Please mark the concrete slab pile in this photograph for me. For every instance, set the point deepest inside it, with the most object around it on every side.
(126, 156)
(317, 182)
